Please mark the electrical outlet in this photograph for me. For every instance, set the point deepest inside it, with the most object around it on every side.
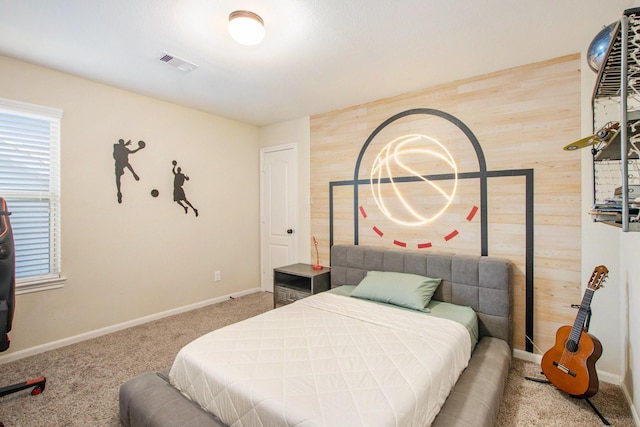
(217, 276)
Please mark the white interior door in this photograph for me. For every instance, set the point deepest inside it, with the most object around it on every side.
(278, 210)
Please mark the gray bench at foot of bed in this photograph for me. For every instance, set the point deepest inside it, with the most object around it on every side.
(475, 399)
(149, 401)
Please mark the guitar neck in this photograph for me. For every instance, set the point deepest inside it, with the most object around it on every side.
(581, 318)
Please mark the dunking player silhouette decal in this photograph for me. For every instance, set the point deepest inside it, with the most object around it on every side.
(178, 192)
(121, 155)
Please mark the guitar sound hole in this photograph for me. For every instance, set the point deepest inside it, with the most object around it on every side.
(571, 345)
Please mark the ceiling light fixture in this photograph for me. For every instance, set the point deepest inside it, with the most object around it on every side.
(246, 27)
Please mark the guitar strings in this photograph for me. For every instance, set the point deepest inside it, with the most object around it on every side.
(563, 359)
(565, 356)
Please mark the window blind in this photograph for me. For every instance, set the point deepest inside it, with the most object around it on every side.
(30, 183)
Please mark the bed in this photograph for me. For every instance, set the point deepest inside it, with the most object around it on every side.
(277, 379)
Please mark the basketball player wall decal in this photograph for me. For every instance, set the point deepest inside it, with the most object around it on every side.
(178, 192)
(121, 156)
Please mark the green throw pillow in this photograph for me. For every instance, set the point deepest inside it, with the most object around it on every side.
(402, 289)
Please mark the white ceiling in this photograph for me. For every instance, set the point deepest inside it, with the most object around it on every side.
(318, 55)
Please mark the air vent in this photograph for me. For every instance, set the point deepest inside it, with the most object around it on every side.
(179, 63)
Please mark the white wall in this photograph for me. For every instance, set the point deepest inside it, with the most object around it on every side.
(144, 256)
(630, 282)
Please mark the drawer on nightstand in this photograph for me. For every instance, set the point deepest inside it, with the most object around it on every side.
(285, 295)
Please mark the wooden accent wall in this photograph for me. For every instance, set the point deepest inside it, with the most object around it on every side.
(522, 118)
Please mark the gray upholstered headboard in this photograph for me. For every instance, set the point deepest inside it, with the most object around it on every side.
(484, 283)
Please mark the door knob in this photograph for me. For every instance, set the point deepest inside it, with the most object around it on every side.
(290, 231)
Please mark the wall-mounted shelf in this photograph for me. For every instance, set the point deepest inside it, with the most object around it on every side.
(616, 164)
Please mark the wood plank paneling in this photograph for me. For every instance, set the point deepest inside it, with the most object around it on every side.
(522, 118)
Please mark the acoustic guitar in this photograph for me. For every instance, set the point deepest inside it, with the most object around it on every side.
(570, 363)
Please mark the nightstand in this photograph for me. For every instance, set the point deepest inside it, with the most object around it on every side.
(297, 281)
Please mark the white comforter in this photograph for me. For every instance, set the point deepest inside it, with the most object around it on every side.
(326, 360)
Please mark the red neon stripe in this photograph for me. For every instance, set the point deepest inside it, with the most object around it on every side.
(451, 235)
(377, 230)
(424, 245)
(364, 214)
(399, 243)
(473, 212)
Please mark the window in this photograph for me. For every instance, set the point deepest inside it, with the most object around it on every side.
(30, 183)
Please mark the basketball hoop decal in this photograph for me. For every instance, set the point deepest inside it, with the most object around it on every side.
(413, 180)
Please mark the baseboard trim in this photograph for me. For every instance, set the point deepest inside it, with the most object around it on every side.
(634, 412)
(525, 355)
(604, 376)
(31, 351)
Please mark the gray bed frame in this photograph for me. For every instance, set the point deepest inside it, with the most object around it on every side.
(481, 282)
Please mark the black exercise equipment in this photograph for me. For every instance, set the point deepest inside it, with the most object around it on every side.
(7, 298)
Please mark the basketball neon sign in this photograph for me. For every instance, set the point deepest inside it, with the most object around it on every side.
(409, 154)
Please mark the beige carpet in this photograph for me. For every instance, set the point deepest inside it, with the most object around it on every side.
(83, 379)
